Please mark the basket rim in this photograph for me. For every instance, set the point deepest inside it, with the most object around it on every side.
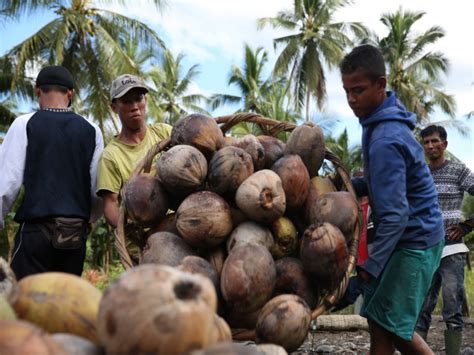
(144, 165)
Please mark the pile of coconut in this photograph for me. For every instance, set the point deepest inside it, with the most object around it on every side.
(252, 215)
(240, 236)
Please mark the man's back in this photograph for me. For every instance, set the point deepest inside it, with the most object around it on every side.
(59, 149)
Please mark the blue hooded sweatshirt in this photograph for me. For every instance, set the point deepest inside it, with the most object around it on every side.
(399, 184)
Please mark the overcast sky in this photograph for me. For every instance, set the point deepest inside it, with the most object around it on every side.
(213, 32)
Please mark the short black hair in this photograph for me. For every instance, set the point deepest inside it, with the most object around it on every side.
(432, 129)
(49, 88)
(367, 58)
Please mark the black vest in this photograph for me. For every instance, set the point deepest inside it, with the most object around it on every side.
(57, 178)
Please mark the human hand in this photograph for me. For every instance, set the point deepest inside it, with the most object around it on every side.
(353, 291)
(355, 287)
(455, 232)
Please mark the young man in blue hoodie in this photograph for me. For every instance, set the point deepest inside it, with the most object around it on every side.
(409, 236)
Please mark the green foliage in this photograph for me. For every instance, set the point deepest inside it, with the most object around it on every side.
(414, 71)
(249, 80)
(85, 39)
(316, 39)
(351, 157)
(101, 251)
(171, 99)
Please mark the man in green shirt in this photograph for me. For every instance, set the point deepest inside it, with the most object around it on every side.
(120, 156)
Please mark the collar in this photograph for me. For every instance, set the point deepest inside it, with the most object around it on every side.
(66, 109)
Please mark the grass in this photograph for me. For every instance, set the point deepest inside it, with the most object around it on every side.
(100, 278)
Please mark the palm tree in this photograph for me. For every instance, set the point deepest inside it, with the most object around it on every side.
(85, 39)
(9, 95)
(249, 80)
(315, 39)
(171, 97)
(414, 71)
(351, 157)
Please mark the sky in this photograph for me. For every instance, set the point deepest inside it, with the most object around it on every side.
(212, 33)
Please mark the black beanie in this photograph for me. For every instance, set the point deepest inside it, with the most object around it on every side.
(55, 75)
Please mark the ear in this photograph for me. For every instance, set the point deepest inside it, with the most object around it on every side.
(445, 144)
(37, 91)
(69, 94)
(382, 82)
(114, 107)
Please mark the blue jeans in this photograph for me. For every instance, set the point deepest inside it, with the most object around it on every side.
(450, 278)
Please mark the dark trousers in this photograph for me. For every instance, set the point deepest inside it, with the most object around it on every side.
(450, 279)
(34, 253)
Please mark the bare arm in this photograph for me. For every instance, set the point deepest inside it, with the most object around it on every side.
(111, 207)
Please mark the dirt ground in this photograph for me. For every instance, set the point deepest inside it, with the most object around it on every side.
(357, 342)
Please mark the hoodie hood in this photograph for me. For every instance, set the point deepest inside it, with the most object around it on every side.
(391, 109)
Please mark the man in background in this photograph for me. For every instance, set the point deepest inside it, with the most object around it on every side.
(452, 179)
(120, 156)
(53, 153)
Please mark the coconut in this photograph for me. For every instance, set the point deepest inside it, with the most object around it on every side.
(237, 216)
(228, 168)
(242, 320)
(198, 265)
(167, 224)
(157, 309)
(295, 180)
(145, 200)
(216, 257)
(291, 278)
(248, 277)
(221, 331)
(319, 186)
(165, 248)
(285, 238)
(338, 208)
(200, 131)
(250, 232)
(324, 254)
(261, 196)
(20, 337)
(274, 149)
(308, 142)
(253, 147)
(299, 221)
(284, 321)
(204, 219)
(59, 303)
(182, 170)
(76, 345)
(6, 310)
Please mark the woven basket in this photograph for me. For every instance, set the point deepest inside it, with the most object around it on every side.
(269, 127)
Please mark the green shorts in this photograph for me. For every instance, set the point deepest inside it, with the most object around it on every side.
(401, 290)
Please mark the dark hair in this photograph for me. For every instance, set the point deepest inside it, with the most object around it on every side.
(59, 88)
(367, 58)
(431, 129)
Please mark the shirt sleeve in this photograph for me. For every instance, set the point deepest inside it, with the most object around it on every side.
(466, 180)
(12, 164)
(96, 201)
(108, 174)
(387, 169)
(162, 130)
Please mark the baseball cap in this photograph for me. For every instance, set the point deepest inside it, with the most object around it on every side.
(124, 83)
(55, 75)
